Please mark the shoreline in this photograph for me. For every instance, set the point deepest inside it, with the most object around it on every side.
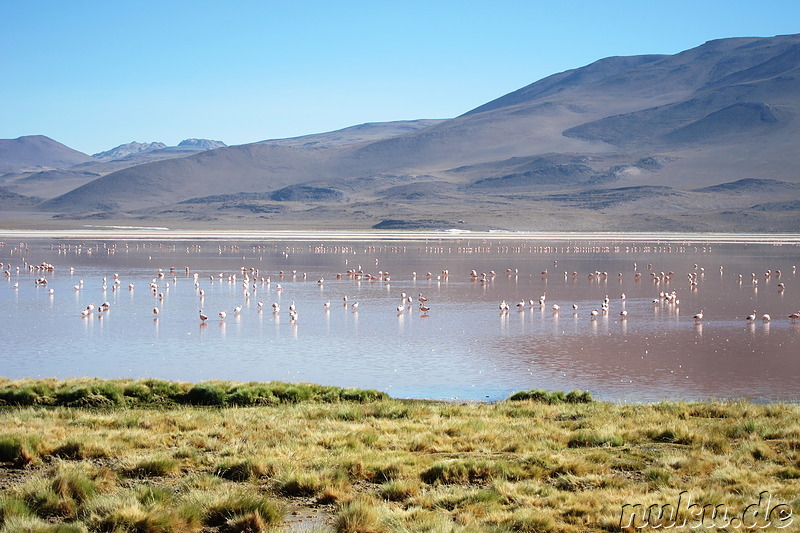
(163, 233)
(118, 395)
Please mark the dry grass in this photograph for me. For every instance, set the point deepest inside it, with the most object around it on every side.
(387, 465)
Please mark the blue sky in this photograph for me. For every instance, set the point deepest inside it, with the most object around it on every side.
(94, 75)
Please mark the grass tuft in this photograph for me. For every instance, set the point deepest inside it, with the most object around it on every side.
(211, 394)
(239, 504)
(19, 450)
(551, 398)
(468, 471)
(299, 484)
(156, 467)
(11, 506)
(247, 470)
(358, 516)
(399, 490)
(589, 439)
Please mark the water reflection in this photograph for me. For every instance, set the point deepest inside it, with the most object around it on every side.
(458, 344)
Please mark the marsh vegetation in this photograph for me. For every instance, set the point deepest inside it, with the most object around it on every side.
(154, 456)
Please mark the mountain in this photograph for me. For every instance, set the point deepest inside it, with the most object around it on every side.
(37, 152)
(203, 144)
(125, 150)
(50, 183)
(623, 143)
(185, 147)
(373, 131)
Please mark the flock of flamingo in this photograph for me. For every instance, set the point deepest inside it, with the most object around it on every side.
(251, 280)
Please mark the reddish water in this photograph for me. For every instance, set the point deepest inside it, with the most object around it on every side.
(464, 347)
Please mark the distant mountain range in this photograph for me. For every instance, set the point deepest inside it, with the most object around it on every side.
(125, 150)
(185, 147)
(706, 139)
(38, 165)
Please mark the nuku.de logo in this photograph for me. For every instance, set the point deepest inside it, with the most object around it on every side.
(684, 513)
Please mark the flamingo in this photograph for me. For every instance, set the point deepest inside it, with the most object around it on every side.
(623, 314)
(698, 316)
(354, 307)
(424, 308)
(327, 305)
(751, 317)
(155, 311)
(594, 313)
(223, 314)
(203, 317)
(794, 316)
(766, 318)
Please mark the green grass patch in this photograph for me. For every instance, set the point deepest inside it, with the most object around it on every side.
(238, 506)
(19, 450)
(155, 467)
(212, 394)
(299, 484)
(552, 397)
(247, 470)
(469, 471)
(359, 516)
(152, 392)
(589, 439)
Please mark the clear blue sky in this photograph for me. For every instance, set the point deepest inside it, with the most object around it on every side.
(96, 74)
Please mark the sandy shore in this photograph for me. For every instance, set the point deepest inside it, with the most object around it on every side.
(167, 234)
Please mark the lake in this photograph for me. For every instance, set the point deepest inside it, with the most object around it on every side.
(463, 347)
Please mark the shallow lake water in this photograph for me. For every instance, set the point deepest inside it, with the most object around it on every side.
(463, 347)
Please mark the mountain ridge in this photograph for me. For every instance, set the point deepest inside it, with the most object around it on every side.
(37, 152)
(590, 146)
(127, 149)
